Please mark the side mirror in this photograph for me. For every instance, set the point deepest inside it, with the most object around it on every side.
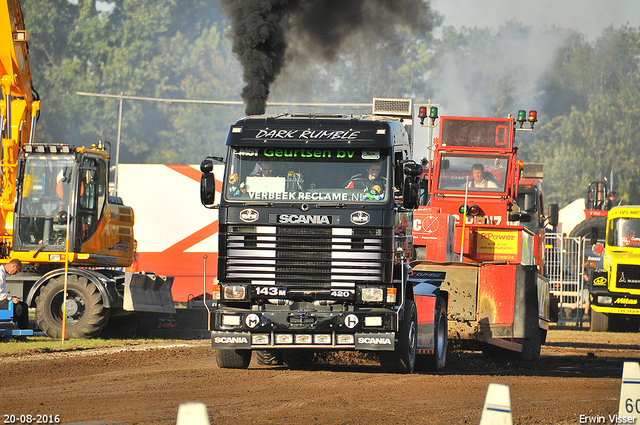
(530, 202)
(206, 166)
(553, 214)
(207, 183)
(208, 189)
(410, 193)
(412, 169)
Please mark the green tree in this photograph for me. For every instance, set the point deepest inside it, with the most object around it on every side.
(597, 136)
(153, 48)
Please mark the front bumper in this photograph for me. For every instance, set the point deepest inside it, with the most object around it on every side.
(372, 329)
(613, 302)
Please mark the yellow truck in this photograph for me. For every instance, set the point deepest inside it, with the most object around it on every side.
(614, 292)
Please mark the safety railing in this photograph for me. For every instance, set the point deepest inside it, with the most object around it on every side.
(565, 260)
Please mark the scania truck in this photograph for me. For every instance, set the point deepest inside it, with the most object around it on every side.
(315, 242)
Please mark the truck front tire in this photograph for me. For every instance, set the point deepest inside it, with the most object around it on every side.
(612, 322)
(438, 360)
(599, 322)
(297, 359)
(233, 359)
(403, 358)
(86, 314)
(269, 357)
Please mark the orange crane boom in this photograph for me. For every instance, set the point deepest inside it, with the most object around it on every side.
(19, 106)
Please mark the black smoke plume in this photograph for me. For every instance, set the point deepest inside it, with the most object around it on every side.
(260, 30)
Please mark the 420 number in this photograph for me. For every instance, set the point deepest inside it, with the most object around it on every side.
(341, 293)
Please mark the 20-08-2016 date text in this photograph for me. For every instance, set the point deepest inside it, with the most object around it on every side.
(31, 419)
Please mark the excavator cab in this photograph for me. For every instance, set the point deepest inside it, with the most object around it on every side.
(43, 200)
(58, 186)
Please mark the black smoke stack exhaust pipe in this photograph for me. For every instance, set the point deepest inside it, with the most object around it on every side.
(260, 29)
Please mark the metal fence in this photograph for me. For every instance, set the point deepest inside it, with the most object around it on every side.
(565, 260)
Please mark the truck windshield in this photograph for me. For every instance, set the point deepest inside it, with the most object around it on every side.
(275, 174)
(477, 173)
(45, 190)
(624, 232)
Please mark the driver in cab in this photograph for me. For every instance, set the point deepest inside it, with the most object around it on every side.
(264, 169)
(370, 182)
(480, 180)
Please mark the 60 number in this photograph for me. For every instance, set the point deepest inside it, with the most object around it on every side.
(632, 405)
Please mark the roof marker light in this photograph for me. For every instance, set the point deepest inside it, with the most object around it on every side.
(533, 117)
(422, 114)
(433, 115)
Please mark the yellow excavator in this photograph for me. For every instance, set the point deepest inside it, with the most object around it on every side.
(57, 217)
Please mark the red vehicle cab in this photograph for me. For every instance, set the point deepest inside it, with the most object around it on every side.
(475, 227)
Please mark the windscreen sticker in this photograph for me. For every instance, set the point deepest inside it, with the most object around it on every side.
(308, 153)
(630, 241)
(248, 152)
(374, 154)
(312, 196)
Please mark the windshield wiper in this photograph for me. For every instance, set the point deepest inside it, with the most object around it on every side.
(44, 245)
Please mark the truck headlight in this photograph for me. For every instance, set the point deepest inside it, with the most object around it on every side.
(373, 321)
(260, 339)
(234, 292)
(345, 339)
(604, 299)
(284, 339)
(228, 320)
(303, 339)
(322, 339)
(372, 295)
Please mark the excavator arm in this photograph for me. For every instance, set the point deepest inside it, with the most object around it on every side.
(19, 105)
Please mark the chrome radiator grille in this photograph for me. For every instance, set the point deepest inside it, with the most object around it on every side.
(305, 256)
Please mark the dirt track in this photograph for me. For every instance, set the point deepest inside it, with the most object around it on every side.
(579, 373)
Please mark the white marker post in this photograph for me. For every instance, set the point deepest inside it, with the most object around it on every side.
(193, 413)
(497, 406)
(630, 393)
